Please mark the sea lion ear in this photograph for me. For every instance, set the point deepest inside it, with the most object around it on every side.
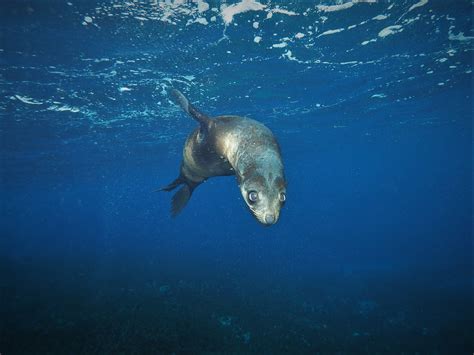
(281, 182)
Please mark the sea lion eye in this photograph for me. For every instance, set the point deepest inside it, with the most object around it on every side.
(253, 196)
(282, 197)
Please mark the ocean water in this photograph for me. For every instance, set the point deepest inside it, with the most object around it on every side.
(371, 102)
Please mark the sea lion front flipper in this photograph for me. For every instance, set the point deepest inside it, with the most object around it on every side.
(182, 101)
(180, 199)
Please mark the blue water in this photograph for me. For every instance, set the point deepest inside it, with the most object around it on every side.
(371, 103)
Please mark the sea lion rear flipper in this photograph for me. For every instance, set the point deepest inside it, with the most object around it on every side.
(182, 101)
(173, 185)
(180, 199)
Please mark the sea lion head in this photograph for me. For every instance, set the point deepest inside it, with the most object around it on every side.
(264, 192)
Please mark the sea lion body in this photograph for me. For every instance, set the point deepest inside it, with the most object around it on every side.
(232, 145)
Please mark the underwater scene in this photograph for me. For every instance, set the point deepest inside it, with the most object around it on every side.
(236, 177)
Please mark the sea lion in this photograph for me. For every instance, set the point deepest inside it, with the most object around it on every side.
(231, 145)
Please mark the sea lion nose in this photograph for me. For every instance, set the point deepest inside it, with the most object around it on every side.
(269, 218)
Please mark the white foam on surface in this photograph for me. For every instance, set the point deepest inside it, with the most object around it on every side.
(343, 6)
(202, 6)
(331, 8)
(228, 12)
(289, 55)
(349, 62)
(201, 20)
(418, 4)
(294, 42)
(27, 100)
(460, 37)
(390, 30)
(283, 11)
(414, 6)
(379, 17)
(331, 32)
(369, 41)
(63, 108)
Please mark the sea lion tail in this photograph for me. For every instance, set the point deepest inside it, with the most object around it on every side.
(181, 198)
(182, 101)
